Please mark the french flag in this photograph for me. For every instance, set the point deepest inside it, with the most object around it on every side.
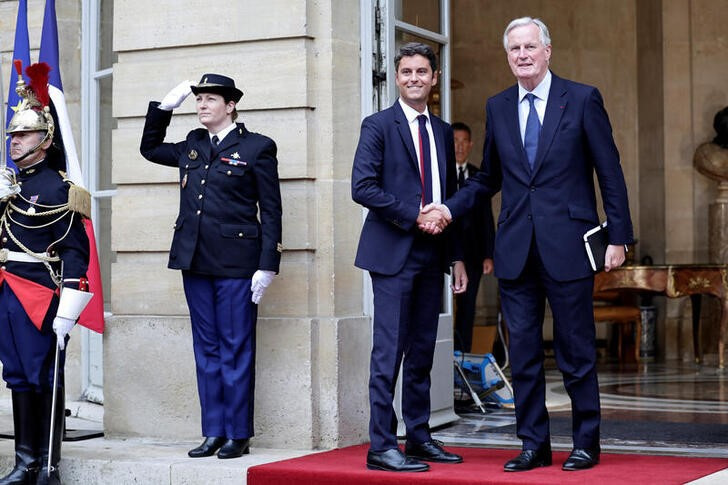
(93, 315)
(21, 50)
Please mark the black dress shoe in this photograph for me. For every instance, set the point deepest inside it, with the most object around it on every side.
(207, 448)
(431, 451)
(581, 459)
(234, 448)
(528, 460)
(394, 461)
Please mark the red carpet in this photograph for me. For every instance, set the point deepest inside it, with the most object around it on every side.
(481, 466)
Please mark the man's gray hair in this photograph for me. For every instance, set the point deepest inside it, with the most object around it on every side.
(520, 22)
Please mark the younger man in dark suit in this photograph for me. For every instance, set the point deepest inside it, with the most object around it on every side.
(405, 160)
(478, 233)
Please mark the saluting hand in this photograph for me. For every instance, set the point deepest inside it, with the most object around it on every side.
(176, 96)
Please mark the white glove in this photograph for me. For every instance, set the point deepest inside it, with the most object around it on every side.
(176, 96)
(260, 281)
(8, 187)
(62, 325)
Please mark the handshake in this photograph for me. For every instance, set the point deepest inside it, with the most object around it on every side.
(434, 218)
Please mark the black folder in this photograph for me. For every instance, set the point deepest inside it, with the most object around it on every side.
(596, 241)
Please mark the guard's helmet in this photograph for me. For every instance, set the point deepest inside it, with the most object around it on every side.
(34, 112)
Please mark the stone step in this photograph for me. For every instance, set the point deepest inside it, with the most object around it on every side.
(103, 461)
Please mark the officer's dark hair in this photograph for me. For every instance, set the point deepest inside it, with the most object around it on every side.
(459, 125)
(413, 49)
(227, 98)
(720, 123)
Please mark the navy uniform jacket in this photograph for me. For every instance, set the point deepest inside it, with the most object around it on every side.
(43, 186)
(386, 180)
(555, 202)
(217, 231)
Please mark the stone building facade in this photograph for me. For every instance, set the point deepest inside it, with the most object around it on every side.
(661, 66)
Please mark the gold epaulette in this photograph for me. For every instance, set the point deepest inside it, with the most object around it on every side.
(79, 200)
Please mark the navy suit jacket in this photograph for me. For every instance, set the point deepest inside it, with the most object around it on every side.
(386, 180)
(555, 202)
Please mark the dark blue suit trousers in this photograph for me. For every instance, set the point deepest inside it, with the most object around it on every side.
(223, 336)
(523, 304)
(406, 308)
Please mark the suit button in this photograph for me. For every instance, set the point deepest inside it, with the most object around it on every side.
(203, 182)
(533, 189)
(240, 234)
(207, 166)
(187, 166)
(199, 196)
(199, 212)
(529, 217)
(229, 172)
(5, 239)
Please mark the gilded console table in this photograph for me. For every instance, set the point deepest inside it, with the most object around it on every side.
(674, 281)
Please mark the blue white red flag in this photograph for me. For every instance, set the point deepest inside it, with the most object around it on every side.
(93, 316)
(21, 50)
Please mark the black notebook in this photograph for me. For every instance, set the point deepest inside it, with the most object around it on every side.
(596, 241)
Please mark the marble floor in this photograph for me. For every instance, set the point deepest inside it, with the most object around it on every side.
(659, 408)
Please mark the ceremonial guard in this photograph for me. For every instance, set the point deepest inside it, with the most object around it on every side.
(44, 254)
(228, 257)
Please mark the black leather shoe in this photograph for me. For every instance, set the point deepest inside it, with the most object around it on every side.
(207, 448)
(234, 448)
(431, 451)
(528, 460)
(581, 459)
(394, 461)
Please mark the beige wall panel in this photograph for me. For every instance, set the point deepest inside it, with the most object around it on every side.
(284, 393)
(679, 145)
(288, 128)
(129, 166)
(143, 285)
(171, 23)
(290, 294)
(149, 378)
(272, 74)
(143, 217)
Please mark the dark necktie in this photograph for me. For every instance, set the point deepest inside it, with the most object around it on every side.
(215, 140)
(425, 161)
(461, 177)
(533, 130)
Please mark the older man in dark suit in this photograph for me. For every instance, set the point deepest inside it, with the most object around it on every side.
(405, 160)
(228, 256)
(545, 138)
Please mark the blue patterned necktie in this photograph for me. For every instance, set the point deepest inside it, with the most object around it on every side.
(533, 130)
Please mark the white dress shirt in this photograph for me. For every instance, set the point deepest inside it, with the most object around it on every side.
(411, 114)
